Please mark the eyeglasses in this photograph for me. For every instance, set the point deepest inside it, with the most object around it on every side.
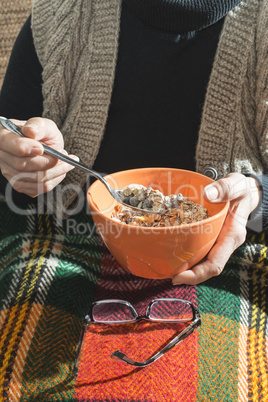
(115, 311)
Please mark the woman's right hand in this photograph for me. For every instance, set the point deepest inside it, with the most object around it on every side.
(23, 161)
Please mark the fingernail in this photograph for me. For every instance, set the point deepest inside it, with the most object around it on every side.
(35, 151)
(33, 126)
(211, 192)
(76, 158)
(177, 280)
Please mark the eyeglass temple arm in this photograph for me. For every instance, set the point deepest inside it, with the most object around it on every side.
(85, 323)
(118, 355)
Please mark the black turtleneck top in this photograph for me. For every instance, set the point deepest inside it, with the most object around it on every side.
(180, 16)
(165, 56)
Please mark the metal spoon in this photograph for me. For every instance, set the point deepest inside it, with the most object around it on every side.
(116, 194)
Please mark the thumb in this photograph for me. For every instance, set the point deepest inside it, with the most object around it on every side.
(32, 130)
(44, 130)
(231, 187)
(211, 193)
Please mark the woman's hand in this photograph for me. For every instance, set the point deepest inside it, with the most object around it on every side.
(23, 161)
(244, 196)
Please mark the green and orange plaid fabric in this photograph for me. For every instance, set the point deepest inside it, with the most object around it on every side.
(49, 276)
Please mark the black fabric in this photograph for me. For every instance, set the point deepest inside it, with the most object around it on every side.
(258, 219)
(158, 95)
(181, 15)
(21, 93)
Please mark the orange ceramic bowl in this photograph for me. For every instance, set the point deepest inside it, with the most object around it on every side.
(156, 252)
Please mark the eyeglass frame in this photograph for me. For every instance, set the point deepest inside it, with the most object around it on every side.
(195, 322)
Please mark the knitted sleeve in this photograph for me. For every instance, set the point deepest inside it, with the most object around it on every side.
(233, 131)
(76, 42)
(261, 94)
(259, 218)
(254, 96)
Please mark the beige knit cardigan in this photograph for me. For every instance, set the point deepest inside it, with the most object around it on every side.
(77, 43)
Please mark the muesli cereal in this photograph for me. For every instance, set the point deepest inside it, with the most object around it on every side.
(174, 209)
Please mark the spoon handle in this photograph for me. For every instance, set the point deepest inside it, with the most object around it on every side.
(9, 125)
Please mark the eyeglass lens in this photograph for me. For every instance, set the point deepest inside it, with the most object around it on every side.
(170, 310)
(113, 312)
(116, 311)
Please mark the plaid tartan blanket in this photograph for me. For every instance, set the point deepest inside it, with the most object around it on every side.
(49, 276)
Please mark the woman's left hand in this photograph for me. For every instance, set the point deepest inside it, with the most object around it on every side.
(244, 195)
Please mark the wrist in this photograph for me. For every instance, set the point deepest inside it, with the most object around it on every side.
(255, 189)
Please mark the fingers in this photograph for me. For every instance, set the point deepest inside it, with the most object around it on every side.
(234, 186)
(231, 187)
(36, 176)
(213, 265)
(36, 129)
(18, 146)
(32, 183)
(244, 196)
(26, 163)
(23, 161)
(43, 130)
(34, 189)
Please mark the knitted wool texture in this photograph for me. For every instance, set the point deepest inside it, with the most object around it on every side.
(12, 16)
(77, 45)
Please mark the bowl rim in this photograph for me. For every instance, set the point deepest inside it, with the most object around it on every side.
(161, 228)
